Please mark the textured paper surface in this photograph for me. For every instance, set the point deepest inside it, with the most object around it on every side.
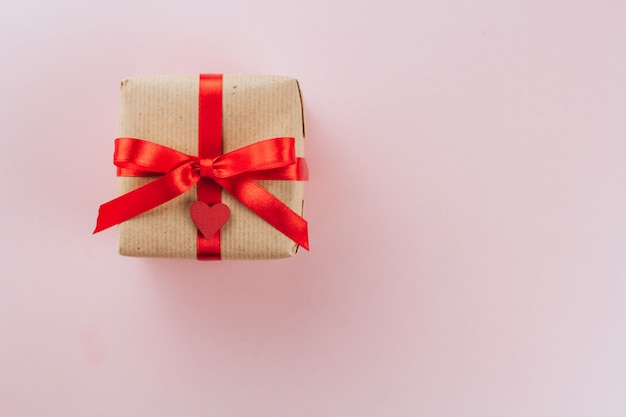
(164, 110)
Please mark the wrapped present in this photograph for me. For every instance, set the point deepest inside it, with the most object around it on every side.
(209, 167)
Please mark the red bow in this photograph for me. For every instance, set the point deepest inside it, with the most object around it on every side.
(270, 159)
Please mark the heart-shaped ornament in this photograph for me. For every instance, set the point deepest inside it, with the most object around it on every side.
(209, 219)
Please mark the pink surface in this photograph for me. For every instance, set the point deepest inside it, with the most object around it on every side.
(467, 214)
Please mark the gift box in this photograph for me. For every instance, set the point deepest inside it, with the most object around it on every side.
(204, 143)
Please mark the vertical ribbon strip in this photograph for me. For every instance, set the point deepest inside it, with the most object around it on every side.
(209, 146)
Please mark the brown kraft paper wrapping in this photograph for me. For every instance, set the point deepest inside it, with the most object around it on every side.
(164, 110)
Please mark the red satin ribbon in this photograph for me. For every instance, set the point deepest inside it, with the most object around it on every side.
(234, 171)
(209, 146)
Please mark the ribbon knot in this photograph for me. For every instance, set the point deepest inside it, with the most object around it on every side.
(206, 168)
(235, 172)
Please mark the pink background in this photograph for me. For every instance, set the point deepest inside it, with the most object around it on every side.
(467, 214)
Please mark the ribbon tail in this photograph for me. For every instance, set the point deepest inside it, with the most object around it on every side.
(269, 208)
(145, 198)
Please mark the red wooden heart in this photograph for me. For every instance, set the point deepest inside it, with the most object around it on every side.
(209, 219)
